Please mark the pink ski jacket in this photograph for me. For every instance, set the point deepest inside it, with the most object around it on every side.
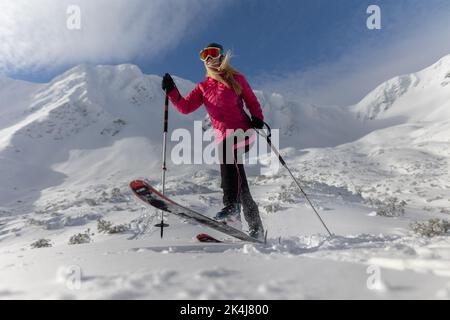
(225, 108)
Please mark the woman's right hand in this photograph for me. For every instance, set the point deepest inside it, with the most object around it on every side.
(257, 123)
(167, 83)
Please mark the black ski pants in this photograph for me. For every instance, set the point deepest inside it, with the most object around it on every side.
(234, 180)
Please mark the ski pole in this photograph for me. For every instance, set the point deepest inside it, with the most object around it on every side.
(280, 158)
(162, 225)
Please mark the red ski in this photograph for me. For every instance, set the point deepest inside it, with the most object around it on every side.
(203, 237)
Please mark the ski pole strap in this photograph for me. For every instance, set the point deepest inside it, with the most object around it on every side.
(269, 142)
(269, 131)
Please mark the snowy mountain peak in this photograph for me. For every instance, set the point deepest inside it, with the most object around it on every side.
(87, 70)
(384, 96)
(424, 95)
(442, 64)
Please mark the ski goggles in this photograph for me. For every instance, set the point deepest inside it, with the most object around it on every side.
(210, 52)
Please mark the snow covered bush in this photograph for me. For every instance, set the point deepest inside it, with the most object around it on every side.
(41, 243)
(119, 228)
(272, 207)
(104, 226)
(114, 128)
(288, 194)
(115, 196)
(91, 202)
(358, 190)
(390, 207)
(431, 228)
(35, 222)
(81, 238)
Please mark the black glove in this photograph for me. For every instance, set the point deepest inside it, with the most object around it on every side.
(167, 83)
(257, 123)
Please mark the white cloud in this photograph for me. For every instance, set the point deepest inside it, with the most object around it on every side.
(34, 35)
(346, 80)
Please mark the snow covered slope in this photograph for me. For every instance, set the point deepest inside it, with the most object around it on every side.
(409, 155)
(86, 125)
(94, 122)
(69, 148)
(421, 96)
(302, 125)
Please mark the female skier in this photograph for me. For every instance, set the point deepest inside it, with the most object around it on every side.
(223, 92)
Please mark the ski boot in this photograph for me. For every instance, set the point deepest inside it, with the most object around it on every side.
(230, 215)
(252, 216)
(257, 232)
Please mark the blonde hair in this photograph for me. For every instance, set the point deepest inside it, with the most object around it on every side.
(225, 73)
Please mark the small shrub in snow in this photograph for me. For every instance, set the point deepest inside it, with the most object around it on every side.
(431, 228)
(120, 228)
(358, 190)
(115, 196)
(91, 202)
(286, 195)
(35, 222)
(81, 238)
(272, 207)
(120, 122)
(41, 243)
(104, 226)
(113, 128)
(390, 207)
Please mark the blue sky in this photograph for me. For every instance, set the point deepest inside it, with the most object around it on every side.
(318, 49)
(273, 35)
